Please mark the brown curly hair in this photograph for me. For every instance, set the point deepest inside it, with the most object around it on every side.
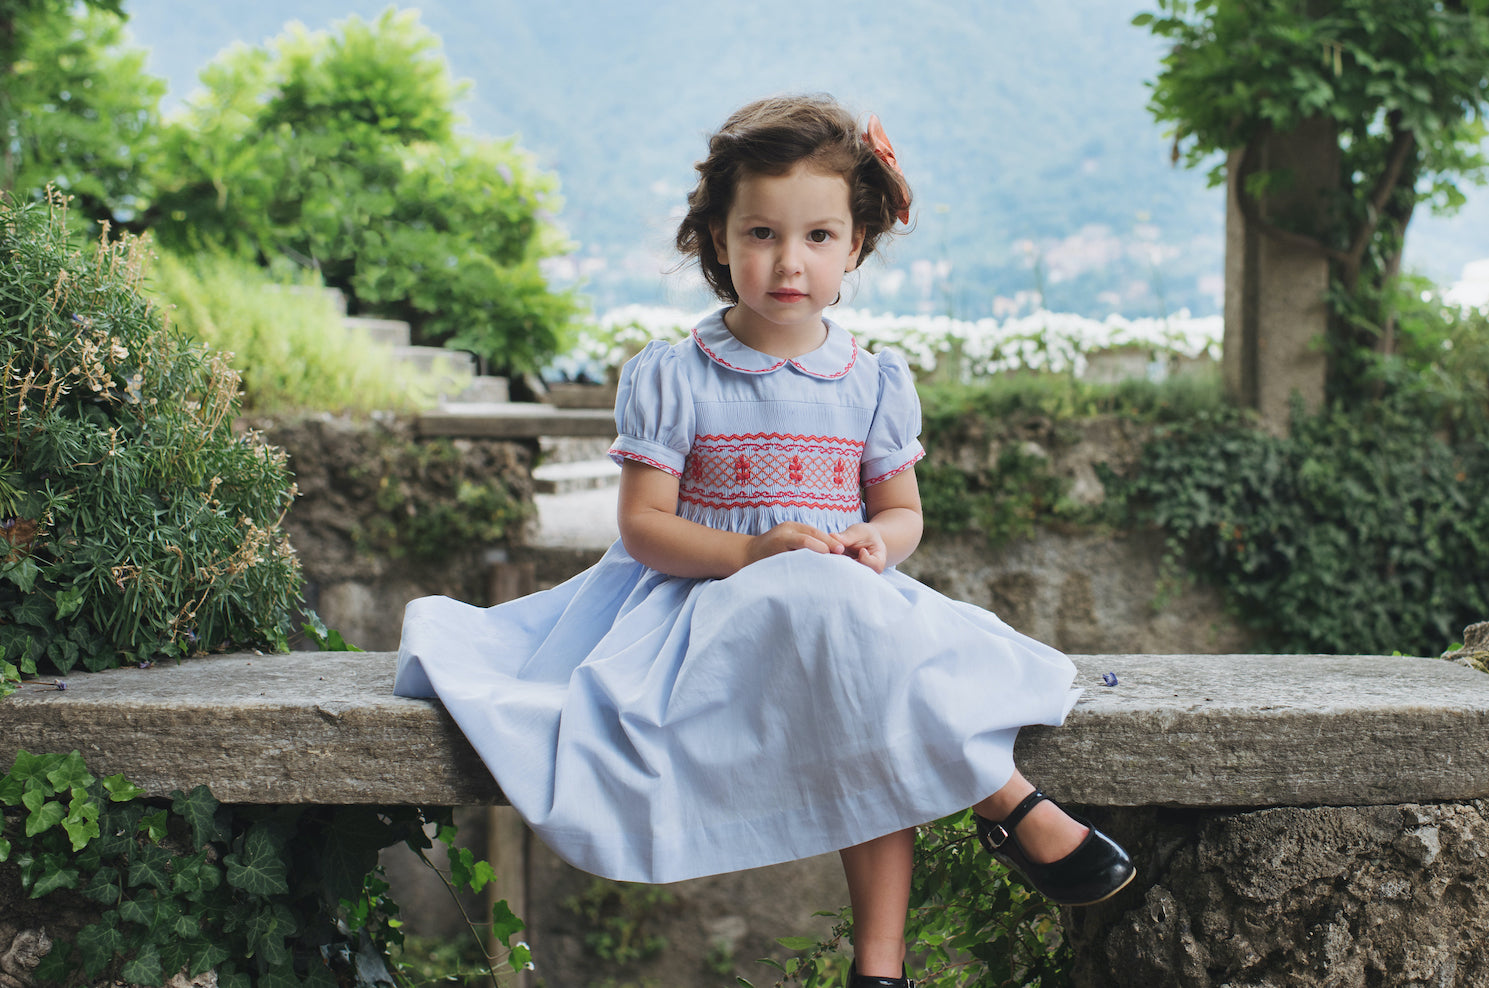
(770, 137)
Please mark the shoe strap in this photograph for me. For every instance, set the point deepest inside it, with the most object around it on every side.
(1020, 811)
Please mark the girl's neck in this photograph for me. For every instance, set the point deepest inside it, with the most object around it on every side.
(785, 342)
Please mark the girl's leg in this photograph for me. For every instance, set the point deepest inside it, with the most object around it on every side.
(878, 875)
(1047, 834)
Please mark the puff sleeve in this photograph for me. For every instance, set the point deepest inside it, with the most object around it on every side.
(654, 410)
(893, 445)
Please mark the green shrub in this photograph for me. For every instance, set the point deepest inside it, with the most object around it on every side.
(978, 473)
(338, 150)
(135, 890)
(286, 338)
(1360, 532)
(134, 523)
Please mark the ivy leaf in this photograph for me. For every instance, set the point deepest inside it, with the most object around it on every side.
(207, 956)
(266, 930)
(44, 814)
(144, 968)
(199, 810)
(34, 610)
(228, 976)
(194, 875)
(11, 789)
(56, 874)
(279, 976)
(27, 766)
(69, 601)
(154, 825)
(151, 865)
(187, 927)
(69, 773)
(505, 923)
(22, 572)
(117, 826)
(260, 869)
(81, 822)
(121, 790)
(138, 911)
(99, 943)
(356, 835)
(103, 886)
(4, 849)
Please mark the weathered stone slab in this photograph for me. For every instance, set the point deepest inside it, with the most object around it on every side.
(1267, 730)
(1177, 730)
(306, 727)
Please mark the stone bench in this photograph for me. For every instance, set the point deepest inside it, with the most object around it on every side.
(1318, 783)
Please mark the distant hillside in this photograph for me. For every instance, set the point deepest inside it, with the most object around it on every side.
(1022, 128)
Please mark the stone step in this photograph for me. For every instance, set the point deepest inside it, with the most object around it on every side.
(515, 420)
(438, 360)
(580, 520)
(485, 389)
(393, 332)
(578, 475)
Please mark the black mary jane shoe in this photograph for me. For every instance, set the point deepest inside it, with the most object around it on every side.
(856, 980)
(1095, 871)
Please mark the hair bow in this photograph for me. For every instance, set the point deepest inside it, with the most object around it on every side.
(884, 151)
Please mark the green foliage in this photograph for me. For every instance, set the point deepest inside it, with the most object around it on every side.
(85, 114)
(443, 513)
(972, 923)
(1241, 68)
(1355, 534)
(339, 151)
(616, 915)
(1440, 364)
(983, 473)
(1403, 83)
(264, 895)
(286, 338)
(135, 523)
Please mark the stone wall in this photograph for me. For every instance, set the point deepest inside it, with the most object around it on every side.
(1295, 897)
(364, 483)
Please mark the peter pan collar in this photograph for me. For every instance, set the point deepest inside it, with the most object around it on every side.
(833, 359)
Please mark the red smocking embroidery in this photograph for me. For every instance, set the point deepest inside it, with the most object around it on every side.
(777, 469)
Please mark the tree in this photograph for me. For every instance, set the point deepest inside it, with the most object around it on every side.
(338, 150)
(1402, 84)
(83, 115)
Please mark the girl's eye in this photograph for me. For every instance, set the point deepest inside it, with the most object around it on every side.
(760, 232)
(819, 236)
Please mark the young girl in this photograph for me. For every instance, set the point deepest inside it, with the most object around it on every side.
(745, 678)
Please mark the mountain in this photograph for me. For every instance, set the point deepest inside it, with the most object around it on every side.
(1022, 127)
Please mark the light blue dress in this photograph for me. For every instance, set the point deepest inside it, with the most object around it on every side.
(653, 728)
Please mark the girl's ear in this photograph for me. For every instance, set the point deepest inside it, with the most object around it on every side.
(720, 247)
(857, 246)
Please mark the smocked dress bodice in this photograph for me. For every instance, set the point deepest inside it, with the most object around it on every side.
(756, 440)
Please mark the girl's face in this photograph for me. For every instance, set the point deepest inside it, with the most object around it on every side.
(788, 240)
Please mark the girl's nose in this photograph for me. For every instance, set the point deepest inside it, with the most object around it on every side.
(788, 261)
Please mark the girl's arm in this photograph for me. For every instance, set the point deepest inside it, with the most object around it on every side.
(894, 526)
(655, 536)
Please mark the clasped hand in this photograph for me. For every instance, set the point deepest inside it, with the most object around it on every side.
(862, 542)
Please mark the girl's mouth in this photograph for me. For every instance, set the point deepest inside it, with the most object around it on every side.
(787, 295)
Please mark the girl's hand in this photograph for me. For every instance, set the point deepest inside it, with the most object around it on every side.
(865, 543)
(789, 535)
